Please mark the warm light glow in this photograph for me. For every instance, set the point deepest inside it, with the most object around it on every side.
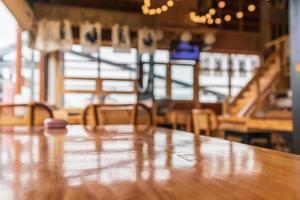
(192, 14)
(218, 21)
(147, 3)
(221, 4)
(208, 16)
(227, 18)
(210, 21)
(203, 19)
(170, 3)
(212, 11)
(251, 8)
(164, 8)
(147, 10)
(158, 11)
(239, 15)
(152, 12)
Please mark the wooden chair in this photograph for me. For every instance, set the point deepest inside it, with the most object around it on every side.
(204, 120)
(113, 114)
(32, 114)
(181, 118)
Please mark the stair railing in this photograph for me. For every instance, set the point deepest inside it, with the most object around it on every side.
(280, 56)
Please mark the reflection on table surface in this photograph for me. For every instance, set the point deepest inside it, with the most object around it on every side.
(121, 163)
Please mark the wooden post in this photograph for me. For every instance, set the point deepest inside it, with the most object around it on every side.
(168, 81)
(42, 69)
(230, 78)
(196, 85)
(294, 17)
(18, 86)
(257, 84)
(59, 79)
(99, 91)
(140, 70)
(225, 107)
(281, 58)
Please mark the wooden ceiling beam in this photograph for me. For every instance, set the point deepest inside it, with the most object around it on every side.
(169, 21)
(22, 12)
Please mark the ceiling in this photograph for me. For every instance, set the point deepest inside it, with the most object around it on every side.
(120, 5)
(250, 22)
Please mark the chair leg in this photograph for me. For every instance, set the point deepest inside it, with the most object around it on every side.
(174, 121)
(189, 125)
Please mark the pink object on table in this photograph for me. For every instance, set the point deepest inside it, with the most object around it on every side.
(55, 123)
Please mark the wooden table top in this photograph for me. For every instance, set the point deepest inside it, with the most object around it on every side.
(119, 163)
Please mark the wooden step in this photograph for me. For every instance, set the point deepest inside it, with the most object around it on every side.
(242, 101)
(249, 93)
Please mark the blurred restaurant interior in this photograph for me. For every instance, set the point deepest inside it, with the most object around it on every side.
(149, 99)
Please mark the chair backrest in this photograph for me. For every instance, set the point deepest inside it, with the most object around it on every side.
(113, 114)
(204, 120)
(32, 114)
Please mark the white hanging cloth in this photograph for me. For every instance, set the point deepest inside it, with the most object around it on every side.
(47, 36)
(90, 37)
(66, 35)
(54, 36)
(121, 38)
(147, 42)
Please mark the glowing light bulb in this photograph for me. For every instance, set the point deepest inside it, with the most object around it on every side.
(164, 8)
(203, 19)
(146, 11)
(212, 11)
(221, 4)
(170, 3)
(158, 11)
(192, 14)
(227, 18)
(208, 16)
(152, 12)
(218, 21)
(251, 8)
(239, 15)
(147, 3)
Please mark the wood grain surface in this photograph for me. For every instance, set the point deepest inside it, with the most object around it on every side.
(123, 163)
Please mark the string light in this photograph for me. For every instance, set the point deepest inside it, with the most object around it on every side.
(251, 8)
(218, 21)
(197, 19)
(164, 8)
(158, 10)
(170, 3)
(227, 18)
(209, 16)
(221, 4)
(212, 11)
(239, 15)
(210, 21)
(147, 10)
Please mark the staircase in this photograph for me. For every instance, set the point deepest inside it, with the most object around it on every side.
(258, 87)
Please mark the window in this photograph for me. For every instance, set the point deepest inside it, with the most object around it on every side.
(182, 82)
(214, 75)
